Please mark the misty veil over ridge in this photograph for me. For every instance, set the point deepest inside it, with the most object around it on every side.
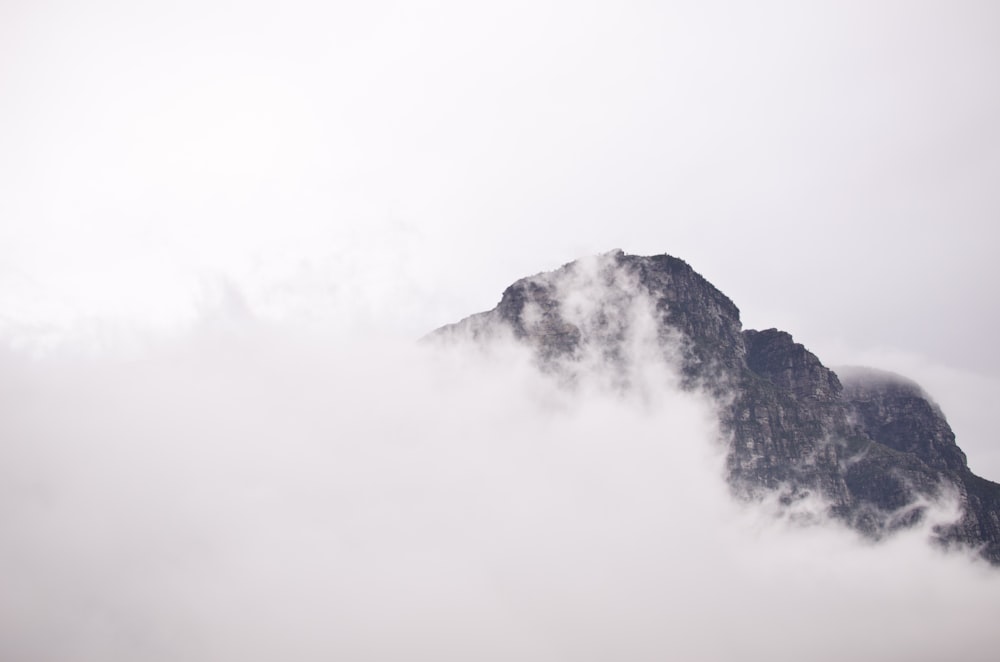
(255, 491)
(866, 447)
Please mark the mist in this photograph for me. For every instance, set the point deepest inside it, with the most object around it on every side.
(256, 491)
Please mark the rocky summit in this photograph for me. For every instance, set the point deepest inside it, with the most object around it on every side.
(871, 445)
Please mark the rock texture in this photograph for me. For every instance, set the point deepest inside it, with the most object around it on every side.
(871, 444)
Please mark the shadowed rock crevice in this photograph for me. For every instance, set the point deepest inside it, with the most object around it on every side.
(872, 445)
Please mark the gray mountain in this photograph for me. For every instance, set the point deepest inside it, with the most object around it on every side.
(872, 444)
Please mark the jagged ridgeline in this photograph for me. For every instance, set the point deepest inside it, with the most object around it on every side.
(871, 444)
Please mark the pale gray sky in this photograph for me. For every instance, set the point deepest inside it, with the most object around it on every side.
(831, 166)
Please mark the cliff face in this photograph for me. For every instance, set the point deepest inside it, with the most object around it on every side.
(871, 444)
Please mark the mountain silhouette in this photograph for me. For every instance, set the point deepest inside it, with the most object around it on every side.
(870, 445)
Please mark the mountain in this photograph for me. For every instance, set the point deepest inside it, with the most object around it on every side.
(871, 444)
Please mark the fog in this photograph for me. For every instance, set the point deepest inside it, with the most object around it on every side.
(256, 491)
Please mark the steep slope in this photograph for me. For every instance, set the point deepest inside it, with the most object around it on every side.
(873, 447)
(895, 413)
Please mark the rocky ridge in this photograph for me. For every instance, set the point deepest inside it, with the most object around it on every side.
(871, 444)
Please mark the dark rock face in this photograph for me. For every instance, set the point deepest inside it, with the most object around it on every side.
(896, 414)
(788, 365)
(871, 444)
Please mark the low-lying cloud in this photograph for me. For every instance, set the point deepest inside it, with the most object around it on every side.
(258, 493)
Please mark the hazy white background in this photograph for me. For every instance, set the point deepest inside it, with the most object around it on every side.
(832, 167)
(378, 169)
(259, 495)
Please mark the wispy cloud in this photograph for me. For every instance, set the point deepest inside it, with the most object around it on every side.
(251, 491)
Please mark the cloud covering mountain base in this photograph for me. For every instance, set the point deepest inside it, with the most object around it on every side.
(257, 493)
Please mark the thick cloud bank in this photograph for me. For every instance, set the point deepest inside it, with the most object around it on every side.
(256, 494)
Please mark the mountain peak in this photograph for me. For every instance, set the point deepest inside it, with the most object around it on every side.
(872, 445)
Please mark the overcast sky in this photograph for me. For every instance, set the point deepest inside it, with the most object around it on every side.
(832, 167)
(380, 168)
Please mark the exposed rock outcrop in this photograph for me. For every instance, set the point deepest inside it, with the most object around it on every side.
(872, 445)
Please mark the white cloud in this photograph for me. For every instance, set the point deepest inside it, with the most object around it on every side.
(251, 491)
